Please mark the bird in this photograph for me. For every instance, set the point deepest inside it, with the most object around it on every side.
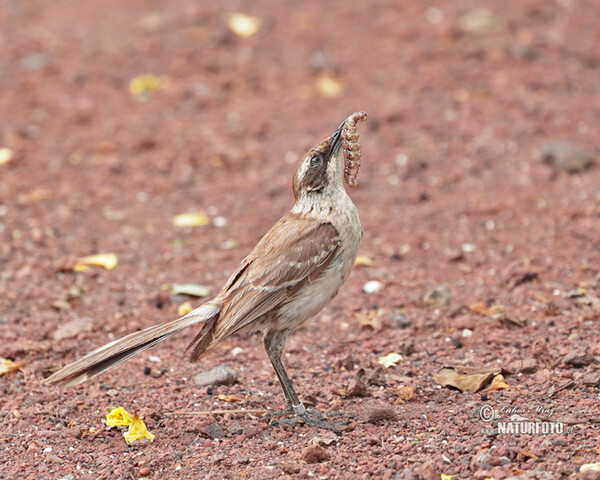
(296, 268)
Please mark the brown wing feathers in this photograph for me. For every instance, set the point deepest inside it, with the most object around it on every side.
(298, 252)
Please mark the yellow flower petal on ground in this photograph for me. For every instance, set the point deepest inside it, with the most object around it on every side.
(143, 85)
(243, 25)
(363, 261)
(6, 155)
(390, 360)
(137, 430)
(329, 86)
(106, 260)
(184, 309)
(191, 219)
(118, 416)
(7, 366)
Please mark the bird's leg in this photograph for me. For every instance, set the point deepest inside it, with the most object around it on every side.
(273, 343)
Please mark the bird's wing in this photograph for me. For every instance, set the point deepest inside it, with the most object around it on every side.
(294, 252)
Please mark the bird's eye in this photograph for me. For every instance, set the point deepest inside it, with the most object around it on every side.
(315, 161)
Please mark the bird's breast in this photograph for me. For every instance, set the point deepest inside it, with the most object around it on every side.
(311, 299)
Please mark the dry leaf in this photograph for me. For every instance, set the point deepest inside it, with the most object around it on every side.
(106, 260)
(597, 450)
(390, 360)
(498, 383)
(471, 381)
(191, 219)
(370, 318)
(191, 289)
(363, 261)
(404, 393)
(118, 416)
(482, 309)
(243, 25)
(143, 85)
(7, 366)
(184, 309)
(328, 86)
(526, 453)
(229, 398)
(594, 467)
(6, 155)
(137, 430)
(323, 441)
(89, 432)
(480, 21)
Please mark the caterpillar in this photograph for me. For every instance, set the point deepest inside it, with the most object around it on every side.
(351, 147)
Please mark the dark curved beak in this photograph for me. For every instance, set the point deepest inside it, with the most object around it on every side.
(336, 140)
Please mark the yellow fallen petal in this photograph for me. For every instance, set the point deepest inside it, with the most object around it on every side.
(6, 155)
(447, 477)
(390, 360)
(184, 309)
(329, 86)
(595, 467)
(142, 85)
(106, 260)
(137, 430)
(7, 366)
(243, 25)
(363, 261)
(191, 219)
(118, 416)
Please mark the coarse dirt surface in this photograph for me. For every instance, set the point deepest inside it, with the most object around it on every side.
(486, 256)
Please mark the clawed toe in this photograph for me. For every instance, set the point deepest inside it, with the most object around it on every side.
(312, 418)
(272, 418)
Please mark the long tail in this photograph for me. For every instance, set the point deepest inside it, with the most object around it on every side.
(118, 351)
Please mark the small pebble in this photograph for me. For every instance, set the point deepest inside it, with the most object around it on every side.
(290, 469)
(378, 412)
(236, 429)
(372, 286)
(566, 157)
(219, 222)
(214, 430)
(221, 375)
(315, 454)
(144, 471)
(439, 296)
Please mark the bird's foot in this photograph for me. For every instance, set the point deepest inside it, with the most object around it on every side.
(312, 418)
(271, 417)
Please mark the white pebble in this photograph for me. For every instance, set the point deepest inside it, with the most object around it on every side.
(236, 351)
(401, 159)
(372, 286)
(220, 222)
(468, 247)
(467, 333)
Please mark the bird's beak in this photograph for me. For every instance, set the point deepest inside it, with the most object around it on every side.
(336, 140)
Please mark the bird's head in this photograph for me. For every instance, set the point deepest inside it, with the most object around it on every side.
(321, 171)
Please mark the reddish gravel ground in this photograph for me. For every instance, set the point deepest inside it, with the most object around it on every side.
(462, 96)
